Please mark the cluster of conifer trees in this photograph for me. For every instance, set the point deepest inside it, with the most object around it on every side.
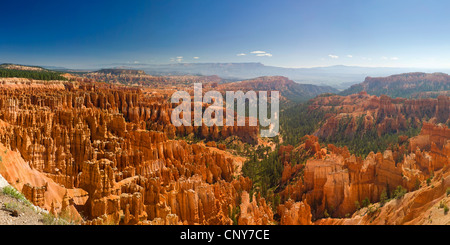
(37, 75)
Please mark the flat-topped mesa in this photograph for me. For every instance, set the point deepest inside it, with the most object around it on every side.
(121, 71)
(133, 77)
(408, 85)
(411, 77)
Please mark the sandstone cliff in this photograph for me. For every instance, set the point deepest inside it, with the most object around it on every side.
(107, 154)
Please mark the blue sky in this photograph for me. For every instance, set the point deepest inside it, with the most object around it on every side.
(298, 33)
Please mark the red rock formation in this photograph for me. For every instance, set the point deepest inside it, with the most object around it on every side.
(288, 89)
(106, 152)
(434, 140)
(381, 113)
(256, 212)
(36, 187)
(294, 213)
(34, 194)
(334, 182)
(420, 207)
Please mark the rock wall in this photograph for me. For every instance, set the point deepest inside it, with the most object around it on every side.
(333, 183)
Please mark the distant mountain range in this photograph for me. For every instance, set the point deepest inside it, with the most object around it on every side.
(340, 76)
(121, 71)
(288, 89)
(408, 85)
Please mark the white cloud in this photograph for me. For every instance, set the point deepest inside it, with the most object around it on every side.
(350, 56)
(333, 56)
(258, 52)
(387, 58)
(196, 58)
(265, 54)
(177, 59)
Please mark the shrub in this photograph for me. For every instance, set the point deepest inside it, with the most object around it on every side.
(10, 191)
(49, 219)
(366, 202)
(234, 213)
(399, 192)
(445, 209)
(10, 206)
(358, 207)
(448, 191)
(371, 210)
(383, 197)
(417, 185)
(276, 201)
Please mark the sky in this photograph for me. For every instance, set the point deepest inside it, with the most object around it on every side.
(82, 34)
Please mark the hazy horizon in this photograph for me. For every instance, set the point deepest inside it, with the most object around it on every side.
(143, 65)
